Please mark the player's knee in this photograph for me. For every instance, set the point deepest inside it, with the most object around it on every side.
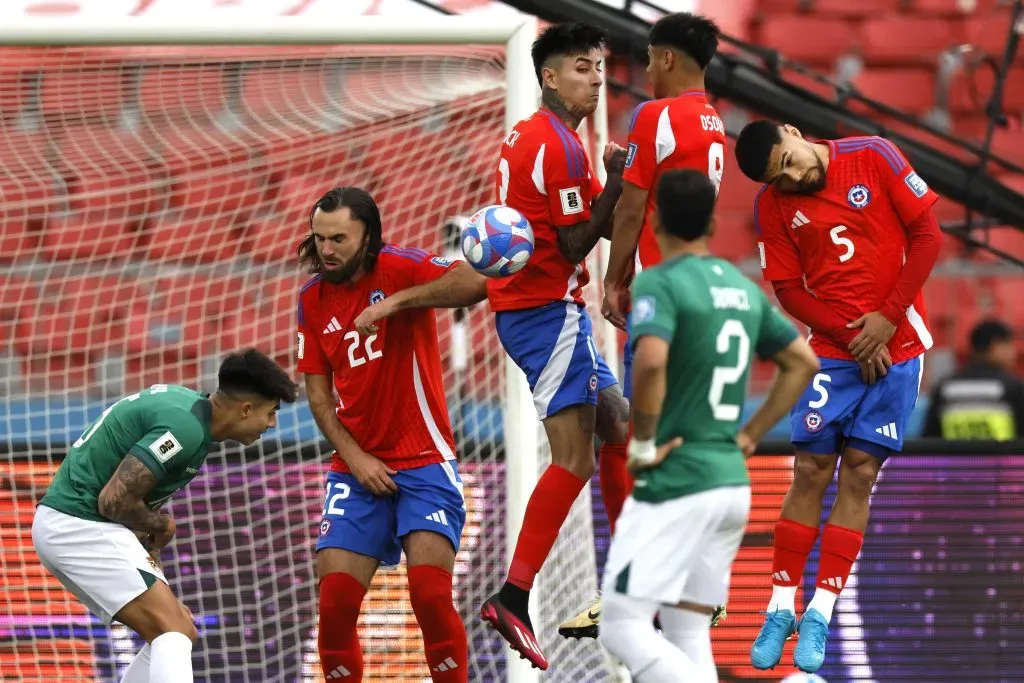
(340, 601)
(811, 476)
(625, 627)
(858, 479)
(430, 592)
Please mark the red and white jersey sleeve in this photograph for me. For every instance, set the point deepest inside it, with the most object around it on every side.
(780, 256)
(545, 174)
(389, 384)
(683, 132)
(908, 192)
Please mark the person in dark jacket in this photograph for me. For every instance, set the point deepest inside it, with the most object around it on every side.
(983, 400)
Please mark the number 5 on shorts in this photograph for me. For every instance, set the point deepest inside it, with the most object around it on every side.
(335, 491)
(819, 386)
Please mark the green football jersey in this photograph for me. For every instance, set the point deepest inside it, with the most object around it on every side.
(712, 317)
(167, 427)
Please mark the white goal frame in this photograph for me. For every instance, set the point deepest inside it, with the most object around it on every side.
(521, 433)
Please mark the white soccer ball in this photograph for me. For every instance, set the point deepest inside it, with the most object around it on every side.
(497, 241)
(801, 677)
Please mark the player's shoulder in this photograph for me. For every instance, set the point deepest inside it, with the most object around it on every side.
(311, 286)
(766, 207)
(646, 114)
(871, 149)
(397, 256)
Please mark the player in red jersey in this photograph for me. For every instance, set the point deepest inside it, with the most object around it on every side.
(677, 130)
(394, 482)
(852, 220)
(544, 173)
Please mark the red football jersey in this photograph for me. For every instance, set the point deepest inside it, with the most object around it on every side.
(545, 174)
(849, 241)
(390, 392)
(672, 133)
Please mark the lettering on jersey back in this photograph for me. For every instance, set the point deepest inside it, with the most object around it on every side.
(511, 138)
(730, 298)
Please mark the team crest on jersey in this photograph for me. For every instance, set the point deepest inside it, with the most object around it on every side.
(814, 421)
(325, 527)
(376, 296)
(859, 196)
(916, 184)
(593, 382)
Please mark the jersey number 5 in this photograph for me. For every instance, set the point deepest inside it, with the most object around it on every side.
(728, 374)
(842, 242)
(354, 359)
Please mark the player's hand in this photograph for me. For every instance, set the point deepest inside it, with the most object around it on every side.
(875, 334)
(746, 444)
(876, 368)
(366, 322)
(662, 453)
(615, 305)
(161, 539)
(373, 474)
(614, 159)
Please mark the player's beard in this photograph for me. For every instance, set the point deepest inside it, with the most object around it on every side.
(348, 268)
(816, 185)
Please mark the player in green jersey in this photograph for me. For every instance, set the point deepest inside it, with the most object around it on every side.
(696, 320)
(99, 529)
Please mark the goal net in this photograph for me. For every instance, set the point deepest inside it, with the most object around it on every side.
(153, 189)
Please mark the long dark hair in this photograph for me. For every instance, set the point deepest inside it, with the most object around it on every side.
(361, 204)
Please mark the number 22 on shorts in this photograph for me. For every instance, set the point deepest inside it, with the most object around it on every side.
(336, 491)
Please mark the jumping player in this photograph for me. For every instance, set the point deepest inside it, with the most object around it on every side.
(696, 319)
(394, 482)
(853, 220)
(99, 529)
(677, 130)
(545, 174)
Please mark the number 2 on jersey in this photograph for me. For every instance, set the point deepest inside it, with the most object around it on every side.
(370, 353)
(724, 375)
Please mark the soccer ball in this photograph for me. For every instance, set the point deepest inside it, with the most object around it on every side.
(497, 241)
(801, 677)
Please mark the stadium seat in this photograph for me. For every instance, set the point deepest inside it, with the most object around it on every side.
(180, 91)
(98, 307)
(73, 237)
(951, 8)
(737, 191)
(909, 90)
(900, 39)
(43, 341)
(29, 191)
(970, 92)
(183, 236)
(734, 237)
(854, 10)
(82, 95)
(111, 174)
(988, 32)
(821, 40)
(291, 97)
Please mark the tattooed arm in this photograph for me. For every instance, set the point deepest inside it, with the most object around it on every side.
(121, 501)
(576, 241)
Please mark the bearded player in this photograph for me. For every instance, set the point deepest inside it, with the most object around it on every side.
(696, 321)
(542, 323)
(677, 130)
(99, 529)
(853, 220)
(394, 482)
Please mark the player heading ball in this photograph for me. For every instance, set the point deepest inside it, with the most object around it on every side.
(107, 494)
(367, 332)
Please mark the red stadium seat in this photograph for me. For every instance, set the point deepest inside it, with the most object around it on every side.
(897, 39)
(737, 191)
(99, 307)
(73, 237)
(179, 236)
(82, 95)
(42, 339)
(845, 8)
(111, 174)
(951, 8)
(734, 237)
(29, 192)
(294, 93)
(970, 93)
(909, 90)
(820, 40)
(988, 32)
(167, 90)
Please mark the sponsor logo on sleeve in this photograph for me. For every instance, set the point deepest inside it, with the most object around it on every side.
(643, 309)
(916, 184)
(165, 447)
(630, 154)
(572, 202)
(441, 261)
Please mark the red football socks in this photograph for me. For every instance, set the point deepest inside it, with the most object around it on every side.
(341, 656)
(549, 505)
(792, 546)
(616, 484)
(444, 634)
(839, 549)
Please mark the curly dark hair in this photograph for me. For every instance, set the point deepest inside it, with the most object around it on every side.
(251, 372)
(565, 40)
(362, 205)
